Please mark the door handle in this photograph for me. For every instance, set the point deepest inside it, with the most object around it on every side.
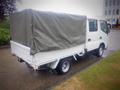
(89, 39)
(100, 37)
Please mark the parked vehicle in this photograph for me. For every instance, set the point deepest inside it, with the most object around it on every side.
(48, 39)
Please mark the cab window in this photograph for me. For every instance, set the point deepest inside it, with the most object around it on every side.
(104, 26)
(93, 25)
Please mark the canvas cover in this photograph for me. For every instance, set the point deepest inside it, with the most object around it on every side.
(47, 31)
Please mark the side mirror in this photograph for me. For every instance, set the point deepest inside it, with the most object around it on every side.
(109, 27)
(108, 31)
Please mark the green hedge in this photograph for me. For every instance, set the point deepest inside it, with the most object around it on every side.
(4, 33)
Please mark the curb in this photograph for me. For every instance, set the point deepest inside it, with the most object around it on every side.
(4, 46)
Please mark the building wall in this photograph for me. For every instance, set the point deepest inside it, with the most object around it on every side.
(112, 11)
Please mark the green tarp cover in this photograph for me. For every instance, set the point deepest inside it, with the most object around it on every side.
(47, 31)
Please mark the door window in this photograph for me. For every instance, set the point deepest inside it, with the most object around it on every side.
(104, 27)
(93, 25)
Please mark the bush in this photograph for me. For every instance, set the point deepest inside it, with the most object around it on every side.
(4, 33)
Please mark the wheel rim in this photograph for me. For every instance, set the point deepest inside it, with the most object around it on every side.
(65, 66)
(101, 50)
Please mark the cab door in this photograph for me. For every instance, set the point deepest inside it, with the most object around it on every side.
(93, 37)
(104, 31)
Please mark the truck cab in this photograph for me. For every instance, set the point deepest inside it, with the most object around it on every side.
(97, 35)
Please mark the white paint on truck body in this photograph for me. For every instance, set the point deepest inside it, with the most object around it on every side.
(52, 58)
(42, 58)
(96, 37)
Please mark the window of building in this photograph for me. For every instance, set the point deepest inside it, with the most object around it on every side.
(109, 12)
(106, 3)
(93, 25)
(117, 12)
(114, 2)
(118, 2)
(110, 2)
(105, 12)
(113, 11)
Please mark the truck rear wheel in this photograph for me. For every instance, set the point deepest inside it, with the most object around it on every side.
(63, 66)
(100, 51)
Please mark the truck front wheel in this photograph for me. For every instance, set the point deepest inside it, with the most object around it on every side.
(63, 66)
(100, 51)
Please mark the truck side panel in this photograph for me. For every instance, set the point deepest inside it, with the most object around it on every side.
(43, 58)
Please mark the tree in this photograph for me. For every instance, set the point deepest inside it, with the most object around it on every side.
(6, 8)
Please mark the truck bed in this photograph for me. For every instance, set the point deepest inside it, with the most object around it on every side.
(42, 58)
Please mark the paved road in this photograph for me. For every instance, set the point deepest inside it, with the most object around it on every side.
(113, 42)
(17, 76)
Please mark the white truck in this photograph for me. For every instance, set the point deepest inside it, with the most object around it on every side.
(48, 39)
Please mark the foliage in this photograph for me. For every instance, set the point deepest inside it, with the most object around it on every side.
(4, 33)
(6, 8)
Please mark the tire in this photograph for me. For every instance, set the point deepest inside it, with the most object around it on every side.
(100, 51)
(63, 66)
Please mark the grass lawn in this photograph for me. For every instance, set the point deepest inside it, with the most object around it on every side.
(102, 76)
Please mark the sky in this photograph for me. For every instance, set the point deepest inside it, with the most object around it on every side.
(81, 7)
